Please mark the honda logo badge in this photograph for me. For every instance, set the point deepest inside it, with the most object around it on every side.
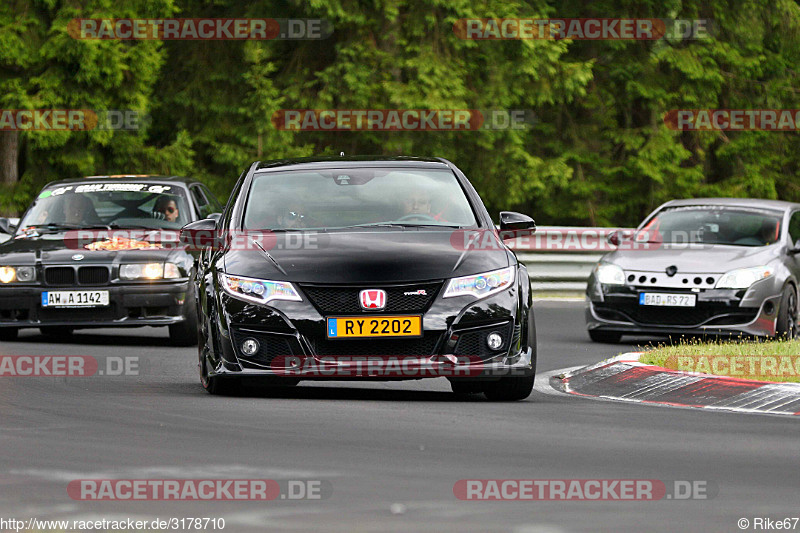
(372, 299)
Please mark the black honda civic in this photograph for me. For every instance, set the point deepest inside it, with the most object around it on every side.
(381, 268)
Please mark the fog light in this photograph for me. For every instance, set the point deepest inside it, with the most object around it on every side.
(25, 273)
(769, 308)
(250, 347)
(494, 341)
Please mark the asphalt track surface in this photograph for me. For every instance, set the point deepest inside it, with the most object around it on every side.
(391, 452)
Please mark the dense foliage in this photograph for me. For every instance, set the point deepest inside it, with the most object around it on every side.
(598, 153)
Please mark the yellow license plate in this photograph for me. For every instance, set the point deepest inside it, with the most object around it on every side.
(374, 326)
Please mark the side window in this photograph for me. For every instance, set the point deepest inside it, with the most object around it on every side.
(794, 227)
(203, 208)
(213, 203)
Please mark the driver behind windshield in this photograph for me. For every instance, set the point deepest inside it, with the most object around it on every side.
(165, 208)
(74, 209)
(418, 202)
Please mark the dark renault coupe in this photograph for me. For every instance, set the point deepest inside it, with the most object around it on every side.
(103, 252)
(363, 268)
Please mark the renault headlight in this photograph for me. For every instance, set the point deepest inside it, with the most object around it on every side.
(149, 271)
(742, 278)
(610, 274)
(21, 274)
(259, 291)
(481, 285)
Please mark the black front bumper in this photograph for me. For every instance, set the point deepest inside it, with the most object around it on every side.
(717, 312)
(453, 343)
(130, 305)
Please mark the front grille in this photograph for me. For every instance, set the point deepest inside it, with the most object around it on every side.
(93, 275)
(472, 343)
(270, 346)
(705, 313)
(337, 299)
(414, 347)
(59, 276)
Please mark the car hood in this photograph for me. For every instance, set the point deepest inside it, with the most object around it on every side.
(365, 257)
(710, 259)
(51, 249)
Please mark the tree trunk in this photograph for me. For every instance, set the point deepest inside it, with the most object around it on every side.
(9, 154)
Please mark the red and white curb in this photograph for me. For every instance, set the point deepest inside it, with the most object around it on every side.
(624, 378)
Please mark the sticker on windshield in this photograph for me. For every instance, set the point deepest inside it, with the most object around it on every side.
(122, 187)
(55, 192)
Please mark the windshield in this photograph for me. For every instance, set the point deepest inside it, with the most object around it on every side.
(125, 205)
(327, 199)
(714, 225)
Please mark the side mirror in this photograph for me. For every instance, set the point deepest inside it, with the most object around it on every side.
(796, 249)
(199, 234)
(613, 238)
(6, 227)
(513, 225)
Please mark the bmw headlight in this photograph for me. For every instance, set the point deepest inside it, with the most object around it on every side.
(610, 274)
(149, 271)
(481, 285)
(742, 278)
(259, 291)
(21, 274)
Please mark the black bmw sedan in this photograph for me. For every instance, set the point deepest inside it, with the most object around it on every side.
(363, 268)
(103, 252)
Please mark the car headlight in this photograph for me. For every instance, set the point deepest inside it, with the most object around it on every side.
(742, 278)
(133, 271)
(610, 274)
(21, 274)
(481, 285)
(259, 291)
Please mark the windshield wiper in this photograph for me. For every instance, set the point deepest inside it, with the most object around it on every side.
(56, 227)
(399, 225)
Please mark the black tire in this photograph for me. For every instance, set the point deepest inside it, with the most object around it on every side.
(185, 333)
(8, 334)
(610, 337)
(510, 389)
(57, 332)
(787, 325)
(216, 385)
(467, 387)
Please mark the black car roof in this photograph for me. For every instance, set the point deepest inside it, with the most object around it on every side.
(125, 178)
(300, 163)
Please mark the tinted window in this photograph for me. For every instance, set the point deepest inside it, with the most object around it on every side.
(133, 204)
(356, 197)
(714, 225)
(213, 203)
(794, 227)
